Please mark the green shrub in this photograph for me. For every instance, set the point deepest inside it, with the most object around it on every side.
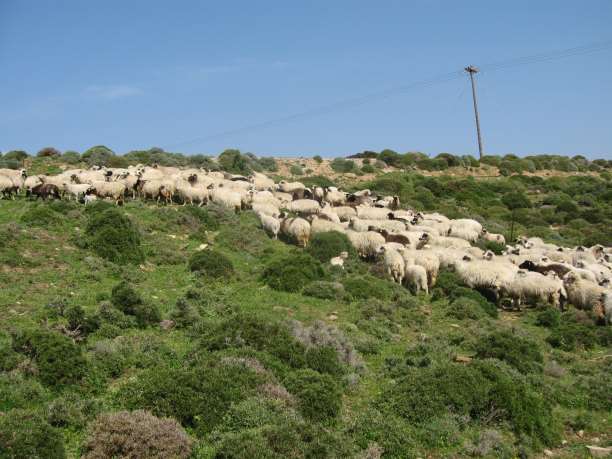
(327, 245)
(324, 290)
(18, 391)
(292, 272)
(235, 162)
(70, 410)
(518, 352)
(59, 361)
(482, 390)
(203, 216)
(460, 293)
(320, 397)
(26, 434)
(465, 308)
(40, 215)
(368, 169)
(324, 359)
(112, 236)
(136, 434)
(342, 166)
(212, 264)
(262, 335)
(128, 301)
(77, 319)
(549, 317)
(362, 287)
(318, 159)
(184, 314)
(571, 334)
(296, 170)
(196, 397)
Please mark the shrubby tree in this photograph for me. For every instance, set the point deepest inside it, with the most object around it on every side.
(26, 434)
(99, 155)
(514, 201)
(49, 152)
(233, 161)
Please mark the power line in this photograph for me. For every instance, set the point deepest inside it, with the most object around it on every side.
(442, 78)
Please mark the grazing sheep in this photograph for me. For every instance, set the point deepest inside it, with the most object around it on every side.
(89, 198)
(499, 238)
(335, 198)
(344, 213)
(77, 190)
(393, 262)
(416, 276)
(290, 187)
(485, 274)
(7, 187)
(599, 271)
(114, 190)
(358, 224)
(320, 225)
(191, 194)
(450, 242)
(328, 213)
(165, 194)
(266, 209)
(296, 228)
(585, 294)
(372, 213)
(260, 182)
(339, 260)
(366, 243)
(226, 198)
(542, 268)
(270, 224)
(425, 258)
(529, 285)
(465, 228)
(304, 207)
(45, 190)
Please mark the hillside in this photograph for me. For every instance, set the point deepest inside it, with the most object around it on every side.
(259, 348)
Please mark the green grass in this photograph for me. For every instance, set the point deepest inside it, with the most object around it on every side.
(44, 266)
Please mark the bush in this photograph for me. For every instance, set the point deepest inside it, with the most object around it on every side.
(327, 245)
(59, 360)
(342, 166)
(128, 301)
(572, 333)
(523, 355)
(324, 290)
(40, 215)
(197, 397)
(184, 314)
(49, 152)
(549, 317)
(112, 236)
(98, 156)
(292, 272)
(483, 390)
(136, 434)
(324, 359)
(235, 162)
(362, 287)
(318, 159)
(77, 319)
(296, 170)
(368, 169)
(320, 397)
(203, 216)
(26, 434)
(71, 157)
(211, 263)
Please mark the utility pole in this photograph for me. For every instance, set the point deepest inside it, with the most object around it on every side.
(472, 70)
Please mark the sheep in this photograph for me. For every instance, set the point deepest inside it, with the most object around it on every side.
(192, 193)
(335, 198)
(344, 213)
(585, 294)
(284, 198)
(359, 198)
(366, 243)
(304, 207)
(114, 190)
(320, 225)
(77, 190)
(425, 258)
(261, 182)
(290, 187)
(399, 238)
(270, 224)
(165, 194)
(339, 260)
(266, 209)
(89, 198)
(318, 193)
(296, 228)
(13, 173)
(44, 190)
(533, 285)
(600, 272)
(416, 276)
(364, 225)
(328, 213)
(7, 186)
(226, 198)
(485, 274)
(499, 238)
(372, 213)
(450, 242)
(583, 254)
(393, 262)
(465, 228)
(542, 268)
(607, 302)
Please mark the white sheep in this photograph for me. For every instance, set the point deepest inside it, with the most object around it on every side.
(465, 228)
(7, 186)
(425, 258)
(494, 237)
(328, 213)
(266, 209)
(270, 224)
(344, 213)
(394, 263)
(372, 213)
(529, 285)
(320, 225)
(366, 243)
(304, 206)
(227, 198)
(296, 228)
(89, 198)
(585, 294)
(339, 260)
(191, 194)
(290, 187)
(416, 276)
(335, 198)
(77, 190)
(359, 224)
(114, 190)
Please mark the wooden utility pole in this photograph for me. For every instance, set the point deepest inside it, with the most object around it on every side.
(472, 70)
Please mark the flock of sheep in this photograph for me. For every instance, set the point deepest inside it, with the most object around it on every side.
(413, 246)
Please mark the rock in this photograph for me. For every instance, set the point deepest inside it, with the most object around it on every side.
(332, 317)
(598, 451)
(463, 359)
(202, 246)
(580, 433)
(564, 442)
(167, 324)
(548, 453)
(455, 326)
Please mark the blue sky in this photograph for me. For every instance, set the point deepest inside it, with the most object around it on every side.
(136, 74)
